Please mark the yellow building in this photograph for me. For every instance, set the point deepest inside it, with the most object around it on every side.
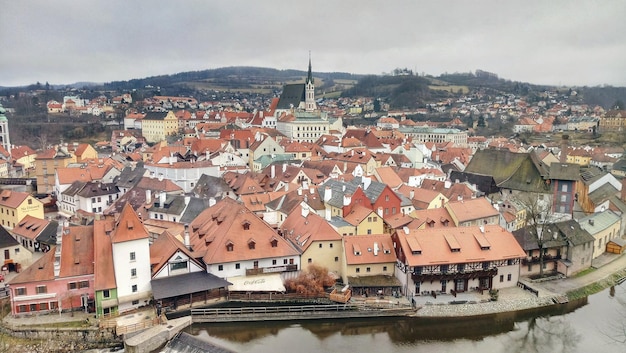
(369, 264)
(365, 221)
(84, 152)
(46, 164)
(156, 126)
(15, 205)
(604, 227)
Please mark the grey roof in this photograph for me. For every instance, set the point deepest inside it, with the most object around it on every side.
(573, 232)
(49, 234)
(174, 205)
(292, 95)
(337, 191)
(266, 160)
(527, 240)
(591, 174)
(210, 186)
(338, 222)
(129, 177)
(6, 239)
(597, 222)
(603, 193)
(620, 165)
(98, 189)
(194, 208)
(188, 283)
(155, 116)
(74, 188)
(564, 171)
(374, 189)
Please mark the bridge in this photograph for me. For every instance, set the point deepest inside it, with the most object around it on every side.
(18, 181)
(301, 312)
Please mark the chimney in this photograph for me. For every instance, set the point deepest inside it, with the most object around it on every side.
(327, 214)
(305, 184)
(186, 238)
(376, 249)
(273, 171)
(305, 211)
(411, 194)
(162, 199)
(447, 184)
(328, 193)
(347, 199)
(148, 196)
(212, 201)
(380, 212)
(564, 145)
(284, 167)
(366, 182)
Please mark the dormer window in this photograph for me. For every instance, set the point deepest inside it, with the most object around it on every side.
(230, 246)
(274, 243)
(246, 225)
(251, 244)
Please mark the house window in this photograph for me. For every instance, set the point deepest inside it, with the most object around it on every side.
(274, 262)
(386, 197)
(43, 306)
(106, 293)
(336, 258)
(291, 261)
(320, 245)
(83, 284)
(229, 247)
(72, 285)
(251, 245)
(367, 269)
(133, 272)
(564, 187)
(41, 290)
(369, 231)
(284, 261)
(444, 268)
(238, 266)
(393, 210)
(330, 245)
(508, 277)
(181, 265)
(310, 260)
(220, 267)
(255, 264)
(134, 288)
(133, 256)
(20, 291)
(501, 278)
(135, 302)
(21, 308)
(274, 243)
(30, 201)
(358, 270)
(384, 268)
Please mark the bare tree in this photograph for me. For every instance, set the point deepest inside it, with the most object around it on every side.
(538, 213)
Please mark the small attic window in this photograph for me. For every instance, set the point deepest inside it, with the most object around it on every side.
(274, 243)
(246, 225)
(130, 225)
(251, 244)
(230, 246)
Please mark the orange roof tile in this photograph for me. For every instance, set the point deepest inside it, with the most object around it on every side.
(128, 227)
(369, 249)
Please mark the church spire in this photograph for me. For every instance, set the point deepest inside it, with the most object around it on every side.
(309, 77)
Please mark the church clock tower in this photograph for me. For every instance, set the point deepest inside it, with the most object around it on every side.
(309, 91)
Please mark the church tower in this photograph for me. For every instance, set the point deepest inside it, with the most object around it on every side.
(4, 130)
(309, 90)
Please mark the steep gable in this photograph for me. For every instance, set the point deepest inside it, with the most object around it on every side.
(129, 227)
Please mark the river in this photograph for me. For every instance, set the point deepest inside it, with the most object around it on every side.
(593, 324)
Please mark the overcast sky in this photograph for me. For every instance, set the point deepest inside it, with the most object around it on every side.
(544, 42)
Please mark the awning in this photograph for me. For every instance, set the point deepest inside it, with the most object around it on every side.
(260, 283)
(188, 283)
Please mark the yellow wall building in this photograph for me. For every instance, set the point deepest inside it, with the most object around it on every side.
(15, 205)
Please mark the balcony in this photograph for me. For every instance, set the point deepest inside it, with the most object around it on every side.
(535, 259)
(452, 275)
(274, 269)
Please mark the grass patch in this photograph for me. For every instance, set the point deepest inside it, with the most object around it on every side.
(584, 272)
(596, 287)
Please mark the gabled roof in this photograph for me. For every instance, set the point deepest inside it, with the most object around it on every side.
(291, 97)
(128, 227)
(210, 186)
(164, 248)
(357, 215)
(13, 199)
(77, 252)
(41, 230)
(230, 223)
(103, 255)
(425, 247)
(472, 209)
(369, 249)
(597, 222)
(40, 270)
(6, 239)
(302, 229)
(564, 171)
(515, 171)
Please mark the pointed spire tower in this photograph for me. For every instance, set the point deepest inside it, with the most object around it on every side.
(4, 127)
(309, 90)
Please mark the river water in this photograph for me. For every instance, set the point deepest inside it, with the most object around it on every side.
(594, 324)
